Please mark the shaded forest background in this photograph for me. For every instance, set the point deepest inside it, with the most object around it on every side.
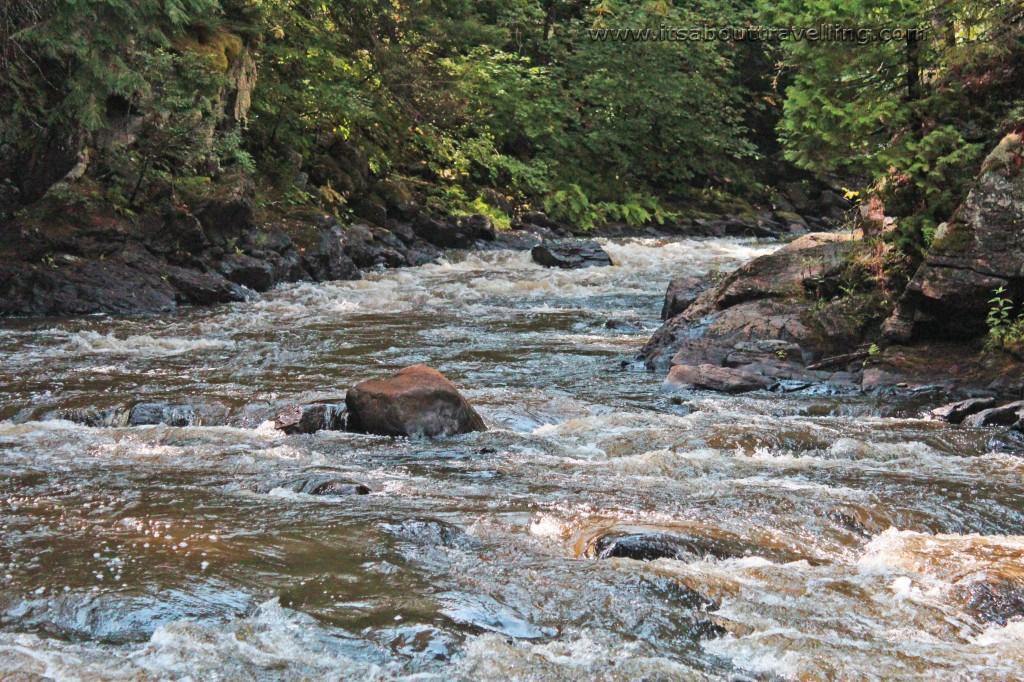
(500, 106)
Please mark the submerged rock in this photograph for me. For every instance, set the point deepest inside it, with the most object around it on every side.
(570, 254)
(652, 545)
(311, 418)
(623, 326)
(997, 600)
(315, 484)
(150, 414)
(487, 613)
(430, 533)
(91, 416)
(417, 401)
(712, 378)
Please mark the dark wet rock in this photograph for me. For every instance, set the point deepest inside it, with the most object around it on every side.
(540, 219)
(150, 414)
(326, 484)
(681, 294)
(94, 417)
(180, 228)
(251, 272)
(1005, 415)
(712, 378)
(450, 234)
(422, 254)
(268, 239)
(311, 418)
(997, 600)
(370, 248)
(516, 240)
(401, 230)
(416, 401)
(388, 238)
(623, 326)
(950, 365)
(204, 288)
(229, 216)
(130, 282)
(980, 249)
(954, 413)
(570, 254)
(430, 533)
(479, 225)
(328, 261)
(650, 546)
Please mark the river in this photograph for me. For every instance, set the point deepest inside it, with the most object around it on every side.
(144, 553)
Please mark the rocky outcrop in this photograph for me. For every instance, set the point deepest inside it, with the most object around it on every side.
(251, 272)
(417, 401)
(979, 250)
(570, 254)
(203, 288)
(767, 322)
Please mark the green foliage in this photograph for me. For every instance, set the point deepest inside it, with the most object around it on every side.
(499, 218)
(898, 113)
(513, 97)
(1005, 332)
(502, 95)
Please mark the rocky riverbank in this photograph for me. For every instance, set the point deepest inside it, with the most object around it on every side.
(70, 253)
(829, 311)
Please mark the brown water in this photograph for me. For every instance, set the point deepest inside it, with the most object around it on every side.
(138, 554)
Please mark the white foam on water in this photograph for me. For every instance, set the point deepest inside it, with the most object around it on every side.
(582, 658)
(91, 342)
(292, 645)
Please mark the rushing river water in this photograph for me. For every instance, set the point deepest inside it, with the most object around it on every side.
(143, 553)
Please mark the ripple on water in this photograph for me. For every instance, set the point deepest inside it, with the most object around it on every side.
(861, 544)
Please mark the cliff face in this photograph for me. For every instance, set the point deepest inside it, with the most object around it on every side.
(978, 251)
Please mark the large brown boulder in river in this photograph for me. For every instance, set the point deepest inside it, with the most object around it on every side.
(417, 401)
